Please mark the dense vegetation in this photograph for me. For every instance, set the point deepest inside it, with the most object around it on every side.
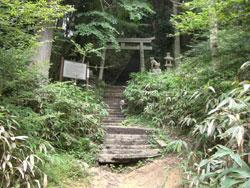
(50, 131)
(207, 94)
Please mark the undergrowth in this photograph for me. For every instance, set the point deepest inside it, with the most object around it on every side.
(207, 100)
(59, 124)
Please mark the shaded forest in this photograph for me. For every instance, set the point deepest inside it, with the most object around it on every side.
(52, 127)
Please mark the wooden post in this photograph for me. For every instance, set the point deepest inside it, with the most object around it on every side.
(142, 61)
(87, 79)
(102, 66)
(61, 70)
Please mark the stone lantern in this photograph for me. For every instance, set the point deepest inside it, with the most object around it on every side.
(155, 66)
(169, 61)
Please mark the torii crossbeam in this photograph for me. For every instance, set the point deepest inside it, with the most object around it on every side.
(131, 44)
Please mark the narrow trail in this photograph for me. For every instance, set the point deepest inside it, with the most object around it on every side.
(161, 173)
(125, 145)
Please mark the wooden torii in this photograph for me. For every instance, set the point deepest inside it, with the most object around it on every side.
(140, 44)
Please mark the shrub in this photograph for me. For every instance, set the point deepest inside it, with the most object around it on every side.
(70, 115)
(18, 164)
(60, 167)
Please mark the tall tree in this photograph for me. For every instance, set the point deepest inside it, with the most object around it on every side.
(177, 42)
(210, 15)
(42, 56)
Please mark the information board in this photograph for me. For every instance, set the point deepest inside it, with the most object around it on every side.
(74, 70)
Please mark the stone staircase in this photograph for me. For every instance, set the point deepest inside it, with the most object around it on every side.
(123, 144)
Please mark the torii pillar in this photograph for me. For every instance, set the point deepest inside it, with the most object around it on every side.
(134, 44)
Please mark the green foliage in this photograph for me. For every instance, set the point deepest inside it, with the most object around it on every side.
(101, 29)
(224, 168)
(19, 165)
(60, 167)
(176, 146)
(15, 73)
(204, 97)
(86, 50)
(228, 118)
(63, 114)
(58, 117)
(198, 13)
(136, 9)
(22, 20)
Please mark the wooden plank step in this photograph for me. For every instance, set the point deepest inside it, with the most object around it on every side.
(112, 95)
(125, 158)
(108, 124)
(114, 108)
(126, 136)
(129, 151)
(116, 146)
(112, 123)
(116, 114)
(113, 118)
(126, 142)
(127, 130)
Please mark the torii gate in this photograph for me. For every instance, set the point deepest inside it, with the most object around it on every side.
(134, 44)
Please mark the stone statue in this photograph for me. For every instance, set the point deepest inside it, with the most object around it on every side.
(155, 66)
(169, 61)
(244, 72)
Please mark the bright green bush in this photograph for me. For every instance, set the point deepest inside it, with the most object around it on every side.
(61, 167)
(71, 114)
(205, 97)
(66, 116)
(15, 74)
(58, 117)
(18, 164)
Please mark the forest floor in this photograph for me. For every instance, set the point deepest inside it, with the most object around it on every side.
(161, 173)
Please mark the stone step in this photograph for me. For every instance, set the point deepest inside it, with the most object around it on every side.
(113, 103)
(110, 95)
(112, 122)
(114, 108)
(129, 151)
(126, 158)
(117, 90)
(126, 136)
(123, 144)
(114, 91)
(126, 142)
(110, 118)
(116, 114)
(116, 146)
(127, 130)
(107, 124)
(115, 87)
(121, 117)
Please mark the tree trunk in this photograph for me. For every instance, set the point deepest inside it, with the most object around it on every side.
(42, 57)
(177, 42)
(213, 31)
(101, 71)
(214, 38)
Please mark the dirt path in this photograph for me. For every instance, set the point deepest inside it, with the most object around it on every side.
(162, 173)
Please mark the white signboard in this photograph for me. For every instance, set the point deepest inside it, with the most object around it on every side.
(74, 70)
